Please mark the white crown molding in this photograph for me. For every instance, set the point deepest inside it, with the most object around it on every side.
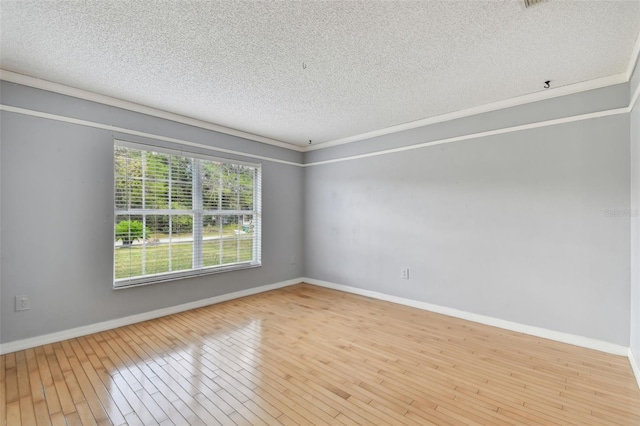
(470, 136)
(534, 125)
(634, 58)
(572, 339)
(476, 135)
(495, 106)
(32, 342)
(62, 89)
(634, 366)
(533, 97)
(93, 124)
(634, 98)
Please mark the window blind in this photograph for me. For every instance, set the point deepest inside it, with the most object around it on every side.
(179, 215)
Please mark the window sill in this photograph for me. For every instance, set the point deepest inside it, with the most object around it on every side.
(163, 278)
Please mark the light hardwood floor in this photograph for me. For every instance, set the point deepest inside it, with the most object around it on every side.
(307, 355)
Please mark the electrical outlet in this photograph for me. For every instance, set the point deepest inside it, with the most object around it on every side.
(404, 273)
(22, 303)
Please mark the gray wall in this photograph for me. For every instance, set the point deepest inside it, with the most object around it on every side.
(635, 221)
(514, 226)
(57, 217)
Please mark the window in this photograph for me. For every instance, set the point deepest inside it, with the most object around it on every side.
(180, 215)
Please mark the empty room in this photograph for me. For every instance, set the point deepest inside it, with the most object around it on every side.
(319, 212)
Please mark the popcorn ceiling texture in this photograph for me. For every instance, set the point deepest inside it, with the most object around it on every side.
(369, 65)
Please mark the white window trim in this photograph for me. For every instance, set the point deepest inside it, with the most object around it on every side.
(123, 283)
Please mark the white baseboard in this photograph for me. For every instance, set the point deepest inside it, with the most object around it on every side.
(18, 345)
(572, 339)
(585, 342)
(634, 366)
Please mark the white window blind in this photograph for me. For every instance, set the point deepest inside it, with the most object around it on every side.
(179, 215)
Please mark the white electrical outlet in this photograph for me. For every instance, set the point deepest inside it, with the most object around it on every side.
(404, 273)
(22, 303)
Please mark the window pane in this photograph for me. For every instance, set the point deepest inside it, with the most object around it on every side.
(157, 166)
(237, 249)
(227, 239)
(245, 189)
(128, 178)
(156, 194)
(159, 240)
(211, 193)
(157, 257)
(128, 261)
(129, 230)
(130, 235)
(157, 248)
(229, 188)
(182, 242)
(159, 226)
(182, 256)
(181, 198)
(181, 169)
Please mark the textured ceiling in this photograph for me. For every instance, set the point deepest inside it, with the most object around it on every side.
(294, 71)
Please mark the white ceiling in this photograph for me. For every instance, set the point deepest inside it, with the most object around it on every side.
(294, 71)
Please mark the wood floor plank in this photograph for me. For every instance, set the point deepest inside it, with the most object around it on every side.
(49, 390)
(92, 384)
(27, 411)
(79, 366)
(61, 387)
(11, 379)
(171, 411)
(73, 419)
(35, 382)
(42, 414)
(308, 355)
(57, 419)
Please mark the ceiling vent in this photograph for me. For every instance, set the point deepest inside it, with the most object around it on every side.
(529, 3)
